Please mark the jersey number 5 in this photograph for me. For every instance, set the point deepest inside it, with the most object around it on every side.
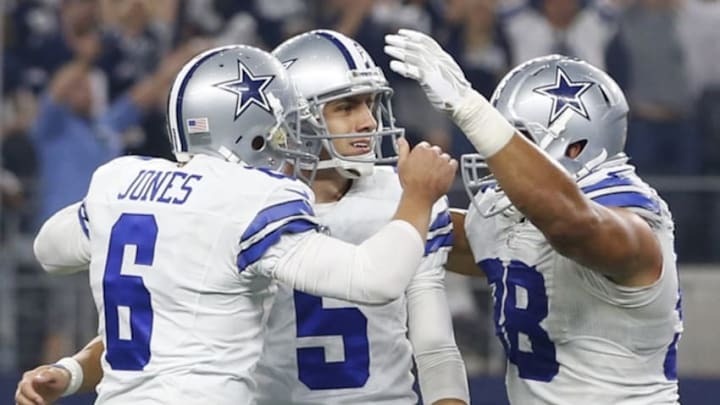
(350, 323)
(126, 297)
(521, 303)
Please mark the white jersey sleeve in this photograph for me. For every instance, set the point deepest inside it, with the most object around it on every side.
(62, 245)
(287, 211)
(440, 367)
(320, 265)
(439, 238)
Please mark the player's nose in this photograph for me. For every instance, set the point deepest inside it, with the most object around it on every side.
(366, 122)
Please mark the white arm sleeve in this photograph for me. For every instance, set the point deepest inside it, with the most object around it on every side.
(375, 272)
(440, 367)
(61, 246)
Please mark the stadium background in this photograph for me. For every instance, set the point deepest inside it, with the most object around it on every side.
(91, 53)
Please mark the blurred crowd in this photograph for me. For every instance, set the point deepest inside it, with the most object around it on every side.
(86, 80)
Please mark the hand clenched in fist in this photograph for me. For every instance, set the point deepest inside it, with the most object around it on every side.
(425, 171)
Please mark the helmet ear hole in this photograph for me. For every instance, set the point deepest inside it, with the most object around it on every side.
(575, 149)
(258, 143)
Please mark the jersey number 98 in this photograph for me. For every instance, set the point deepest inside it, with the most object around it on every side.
(521, 303)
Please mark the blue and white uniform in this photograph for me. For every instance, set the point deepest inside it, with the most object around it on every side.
(571, 335)
(177, 310)
(327, 351)
(182, 259)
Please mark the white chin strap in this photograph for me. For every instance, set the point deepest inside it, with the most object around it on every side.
(182, 157)
(348, 169)
(229, 155)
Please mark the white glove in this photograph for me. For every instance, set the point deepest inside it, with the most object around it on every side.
(420, 58)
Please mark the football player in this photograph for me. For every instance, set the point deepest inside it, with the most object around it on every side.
(577, 248)
(182, 255)
(324, 350)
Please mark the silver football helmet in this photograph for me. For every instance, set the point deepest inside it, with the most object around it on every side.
(326, 65)
(557, 102)
(239, 104)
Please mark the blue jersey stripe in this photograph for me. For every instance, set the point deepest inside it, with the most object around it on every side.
(441, 221)
(628, 199)
(275, 213)
(670, 363)
(345, 53)
(83, 219)
(259, 248)
(612, 181)
(439, 241)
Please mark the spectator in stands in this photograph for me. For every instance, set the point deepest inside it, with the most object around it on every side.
(477, 39)
(663, 140)
(53, 36)
(25, 324)
(72, 139)
(141, 40)
(566, 27)
(144, 33)
(414, 113)
(662, 136)
(698, 30)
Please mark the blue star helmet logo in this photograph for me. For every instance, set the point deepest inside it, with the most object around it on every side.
(250, 89)
(565, 95)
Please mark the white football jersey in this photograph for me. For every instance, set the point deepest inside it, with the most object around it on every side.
(570, 334)
(327, 351)
(180, 273)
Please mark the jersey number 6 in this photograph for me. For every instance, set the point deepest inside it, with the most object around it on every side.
(129, 348)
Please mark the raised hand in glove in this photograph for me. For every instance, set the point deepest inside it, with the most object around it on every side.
(417, 56)
(420, 58)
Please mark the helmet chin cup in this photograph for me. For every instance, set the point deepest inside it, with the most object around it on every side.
(350, 169)
(355, 170)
